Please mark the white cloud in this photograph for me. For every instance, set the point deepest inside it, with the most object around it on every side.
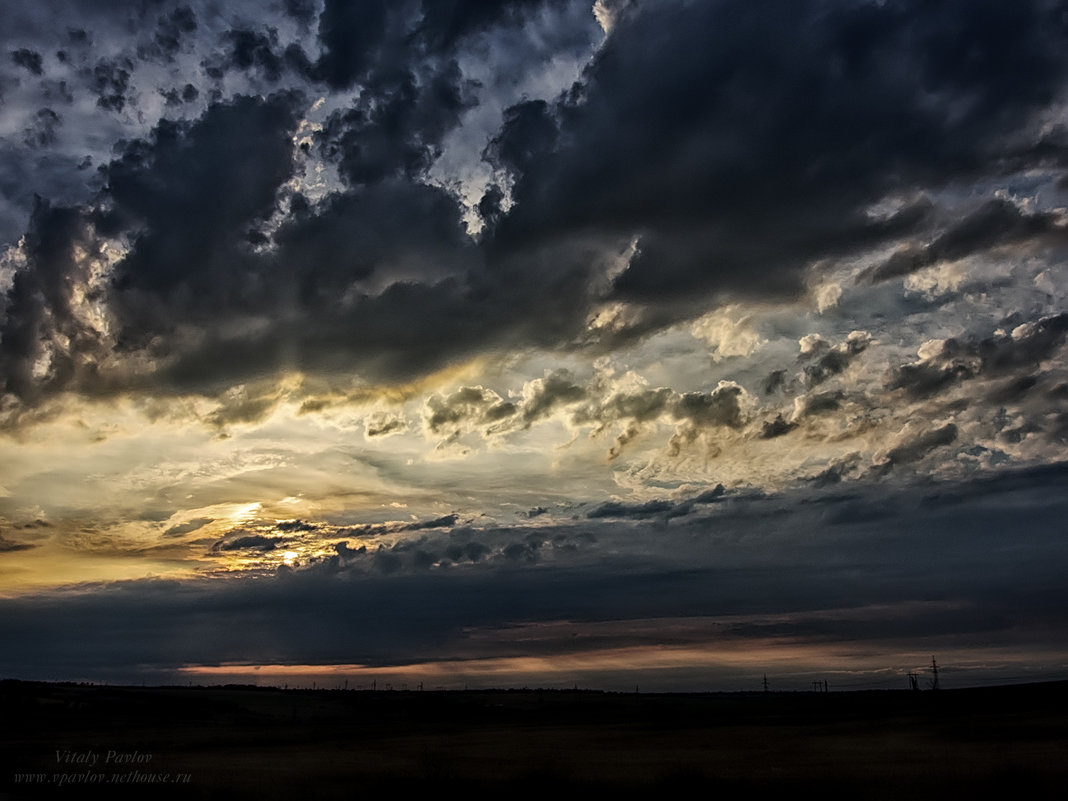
(729, 331)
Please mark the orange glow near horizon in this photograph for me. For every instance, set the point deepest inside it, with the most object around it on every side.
(781, 658)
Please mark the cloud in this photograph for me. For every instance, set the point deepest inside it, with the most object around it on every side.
(111, 81)
(175, 97)
(7, 546)
(542, 396)
(817, 403)
(836, 472)
(723, 406)
(464, 410)
(997, 222)
(639, 510)
(294, 525)
(623, 191)
(351, 35)
(663, 508)
(238, 153)
(446, 521)
(728, 334)
(188, 527)
(241, 542)
(42, 131)
(396, 127)
(915, 446)
(243, 404)
(371, 530)
(634, 408)
(833, 360)
(252, 51)
(45, 343)
(749, 582)
(736, 196)
(301, 10)
(171, 30)
(472, 552)
(29, 60)
(609, 11)
(774, 381)
(384, 424)
(776, 428)
(946, 363)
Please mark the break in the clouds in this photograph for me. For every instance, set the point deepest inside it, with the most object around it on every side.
(380, 290)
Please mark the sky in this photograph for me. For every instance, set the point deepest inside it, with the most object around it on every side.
(631, 343)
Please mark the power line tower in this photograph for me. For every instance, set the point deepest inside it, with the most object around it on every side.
(914, 681)
(934, 674)
(765, 682)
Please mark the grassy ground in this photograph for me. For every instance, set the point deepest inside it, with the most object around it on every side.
(239, 742)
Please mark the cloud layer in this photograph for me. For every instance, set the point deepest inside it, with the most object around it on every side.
(430, 298)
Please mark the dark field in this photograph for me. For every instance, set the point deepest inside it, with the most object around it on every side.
(244, 742)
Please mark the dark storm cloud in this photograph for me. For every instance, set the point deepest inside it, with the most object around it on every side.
(693, 412)
(757, 568)
(836, 472)
(370, 530)
(42, 131)
(53, 91)
(957, 360)
(659, 508)
(252, 51)
(997, 222)
(187, 528)
(354, 235)
(528, 134)
(641, 406)
(1014, 390)
(733, 144)
(237, 154)
(464, 408)
(357, 38)
(472, 552)
(441, 522)
(776, 428)
(774, 381)
(295, 525)
(28, 60)
(916, 448)
(743, 142)
(39, 307)
(241, 542)
(818, 403)
(924, 379)
(301, 10)
(351, 35)
(445, 23)
(436, 549)
(171, 31)
(175, 97)
(835, 360)
(617, 509)
(720, 407)
(7, 546)
(556, 390)
(242, 406)
(1028, 346)
(382, 428)
(396, 127)
(111, 81)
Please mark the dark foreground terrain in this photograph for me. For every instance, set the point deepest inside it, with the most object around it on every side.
(73, 741)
